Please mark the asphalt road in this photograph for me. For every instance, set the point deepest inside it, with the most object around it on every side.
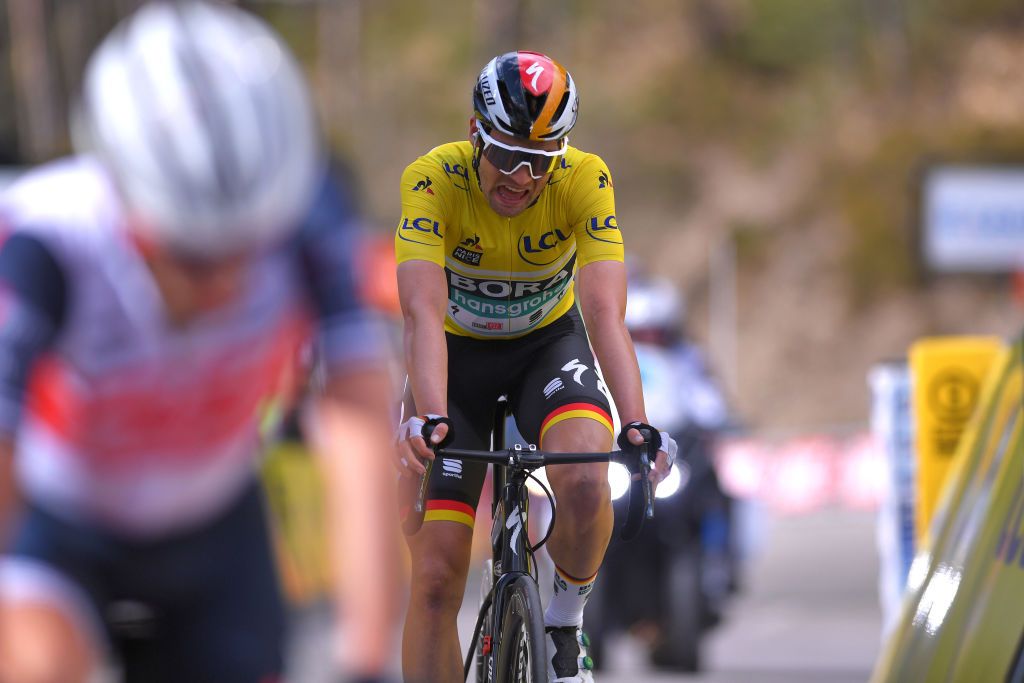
(808, 611)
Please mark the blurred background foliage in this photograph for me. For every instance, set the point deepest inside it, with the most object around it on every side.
(790, 133)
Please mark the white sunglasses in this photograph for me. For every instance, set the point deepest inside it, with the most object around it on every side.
(508, 158)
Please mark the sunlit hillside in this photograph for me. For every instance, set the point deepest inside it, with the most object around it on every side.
(778, 140)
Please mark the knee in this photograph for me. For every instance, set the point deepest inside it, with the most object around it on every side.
(29, 659)
(583, 490)
(438, 586)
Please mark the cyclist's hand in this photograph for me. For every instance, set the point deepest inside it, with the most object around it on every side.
(665, 460)
(412, 448)
(666, 457)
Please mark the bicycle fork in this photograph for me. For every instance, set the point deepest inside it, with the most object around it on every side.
(510, 559)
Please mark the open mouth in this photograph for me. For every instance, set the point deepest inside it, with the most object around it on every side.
(510, 195)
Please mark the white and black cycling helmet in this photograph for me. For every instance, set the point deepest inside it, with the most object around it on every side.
(527, 95)
(202, 117)
(654, 304)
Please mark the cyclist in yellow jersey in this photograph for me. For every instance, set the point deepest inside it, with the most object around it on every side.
(499, 237)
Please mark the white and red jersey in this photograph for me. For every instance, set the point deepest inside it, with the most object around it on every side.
(119, 416)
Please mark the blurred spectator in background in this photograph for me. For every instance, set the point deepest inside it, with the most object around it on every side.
(685, 552)
(655, 317)
(156, 290)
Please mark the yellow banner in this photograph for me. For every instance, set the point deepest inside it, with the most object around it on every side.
(947, 374)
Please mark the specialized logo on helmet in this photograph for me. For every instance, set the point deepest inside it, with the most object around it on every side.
(485, 89)
(424, 185)
(537, 72)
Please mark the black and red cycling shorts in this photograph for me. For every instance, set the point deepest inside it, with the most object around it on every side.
(548, 376)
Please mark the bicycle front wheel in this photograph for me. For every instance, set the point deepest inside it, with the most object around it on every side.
(521, 654)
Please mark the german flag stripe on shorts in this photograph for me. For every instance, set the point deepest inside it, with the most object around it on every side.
(570, 410)
(449, 511)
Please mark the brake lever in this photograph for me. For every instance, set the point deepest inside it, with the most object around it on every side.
(645, 478)
(414, 521)
(419, 507)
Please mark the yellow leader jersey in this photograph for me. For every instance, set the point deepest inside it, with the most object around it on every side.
(506, 276)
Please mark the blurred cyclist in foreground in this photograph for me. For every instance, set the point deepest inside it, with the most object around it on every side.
(155, 291)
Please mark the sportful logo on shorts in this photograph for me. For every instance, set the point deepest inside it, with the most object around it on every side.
(452, 468)
(553, 386)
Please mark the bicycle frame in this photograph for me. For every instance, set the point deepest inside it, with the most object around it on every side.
(508, 529)
(512, 555)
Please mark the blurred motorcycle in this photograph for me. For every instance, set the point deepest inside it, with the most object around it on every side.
(668, 586)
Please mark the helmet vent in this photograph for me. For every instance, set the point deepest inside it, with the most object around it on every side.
(561, 107)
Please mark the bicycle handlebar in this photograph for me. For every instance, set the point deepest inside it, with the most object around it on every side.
(639, 464)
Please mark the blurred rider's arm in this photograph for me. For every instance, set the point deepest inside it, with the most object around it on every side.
(32, 309)
(351, 431)
(350, 428)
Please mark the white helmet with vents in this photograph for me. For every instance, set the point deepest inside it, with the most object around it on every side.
(203, 119)
(654, 305)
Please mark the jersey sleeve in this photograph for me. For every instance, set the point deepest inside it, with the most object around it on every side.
(591, 201)
(33, 303)
(425, 206)
(329, 245)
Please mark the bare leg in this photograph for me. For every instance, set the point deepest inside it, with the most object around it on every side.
(40, 643)
(430, 642)
(585, 516)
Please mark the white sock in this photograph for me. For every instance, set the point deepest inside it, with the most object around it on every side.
(566, 606)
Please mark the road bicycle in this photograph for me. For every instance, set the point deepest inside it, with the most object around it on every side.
(508, 639)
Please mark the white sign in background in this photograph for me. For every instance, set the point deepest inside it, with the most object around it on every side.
(973, 219)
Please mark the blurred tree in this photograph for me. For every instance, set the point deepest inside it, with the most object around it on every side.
(500, 26)
(38, 109)
(8, 117)
(339, 66)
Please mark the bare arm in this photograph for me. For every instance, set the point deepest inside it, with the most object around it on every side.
(601, 288)
(423, 294)
(351, 433)
(9, 498)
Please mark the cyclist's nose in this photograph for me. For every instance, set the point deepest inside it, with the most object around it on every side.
(521, 176)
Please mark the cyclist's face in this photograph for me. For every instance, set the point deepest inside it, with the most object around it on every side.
(511, 194)
(191, 286)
